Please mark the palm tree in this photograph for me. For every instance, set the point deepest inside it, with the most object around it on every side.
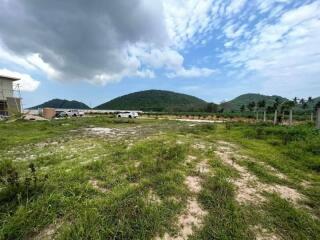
(295, 99)
(310, 100)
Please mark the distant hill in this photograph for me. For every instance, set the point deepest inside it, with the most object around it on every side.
(156, 100)
(62, 103)
(307, 106)
(245, 99)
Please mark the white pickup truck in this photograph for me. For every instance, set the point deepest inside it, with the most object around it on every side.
(74, 113)
(127, 115)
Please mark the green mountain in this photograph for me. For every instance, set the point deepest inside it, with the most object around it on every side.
(245, 99)
(155, 100)
(62, 103)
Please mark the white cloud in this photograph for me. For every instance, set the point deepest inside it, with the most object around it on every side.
(192, 72)
(235, 6)
(30, 62)
(189, 20)
(36, 60)
(284, 55)
(26, 82)
(167, 59)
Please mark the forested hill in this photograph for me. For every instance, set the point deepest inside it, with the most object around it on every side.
(156, 100)
(62, 103)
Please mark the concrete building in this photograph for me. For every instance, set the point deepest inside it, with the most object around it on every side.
(9, 103)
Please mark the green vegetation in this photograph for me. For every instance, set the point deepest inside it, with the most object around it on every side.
(246, 100)
(62, 103)
(159, 102)
(104, 178)
(156, 100)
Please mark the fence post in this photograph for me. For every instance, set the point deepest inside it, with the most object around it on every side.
(290, 117)
(318, 119)
(264, 116)
(311, 117)
(275, 117)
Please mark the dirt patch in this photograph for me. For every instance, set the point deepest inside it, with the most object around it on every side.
(200, 146)
(203, 167)
(48, 232)
(249, 188)
(31, 117)
(190, 158)
(137, 164)
(119, 133)
(198, 120)
(95, 184)
(179, 142)
(99, 131)
(152, 197)
(192, 218)
(264, 234)
(305, 184)
(193, 183)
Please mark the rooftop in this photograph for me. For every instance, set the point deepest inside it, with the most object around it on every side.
(9, 78)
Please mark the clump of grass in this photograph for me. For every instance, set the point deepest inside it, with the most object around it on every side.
(262, 173)
(226, 220)
(17, 187)
(290, 222)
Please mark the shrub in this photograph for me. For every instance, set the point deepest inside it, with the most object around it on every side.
(16, 186)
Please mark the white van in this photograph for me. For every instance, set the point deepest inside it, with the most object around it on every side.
(127, 115)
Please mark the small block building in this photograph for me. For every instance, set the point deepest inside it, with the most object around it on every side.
(9, 104)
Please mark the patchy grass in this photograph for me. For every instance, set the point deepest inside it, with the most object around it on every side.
(140, 179)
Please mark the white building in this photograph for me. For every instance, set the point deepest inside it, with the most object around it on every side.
(9, 104)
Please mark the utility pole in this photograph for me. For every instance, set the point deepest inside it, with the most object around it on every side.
(275, 117)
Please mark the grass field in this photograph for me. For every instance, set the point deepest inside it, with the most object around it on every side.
(103, 178)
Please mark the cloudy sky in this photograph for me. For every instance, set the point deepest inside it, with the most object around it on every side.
(95, 50)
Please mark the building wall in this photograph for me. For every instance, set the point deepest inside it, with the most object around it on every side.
(14, 105)
(6, 89)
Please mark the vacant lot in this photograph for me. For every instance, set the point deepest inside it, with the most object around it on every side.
(100, 178)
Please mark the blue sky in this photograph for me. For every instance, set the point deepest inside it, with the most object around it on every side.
(93, 51)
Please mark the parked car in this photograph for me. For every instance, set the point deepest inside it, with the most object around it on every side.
(61, 114)
(127, 115)
(73, 113)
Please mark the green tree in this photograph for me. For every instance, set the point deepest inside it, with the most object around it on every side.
(242, 108)
(305, 105)
(251, 106)
(262, 105)
(211, 108)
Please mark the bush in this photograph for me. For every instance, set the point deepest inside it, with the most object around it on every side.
(16, 186)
